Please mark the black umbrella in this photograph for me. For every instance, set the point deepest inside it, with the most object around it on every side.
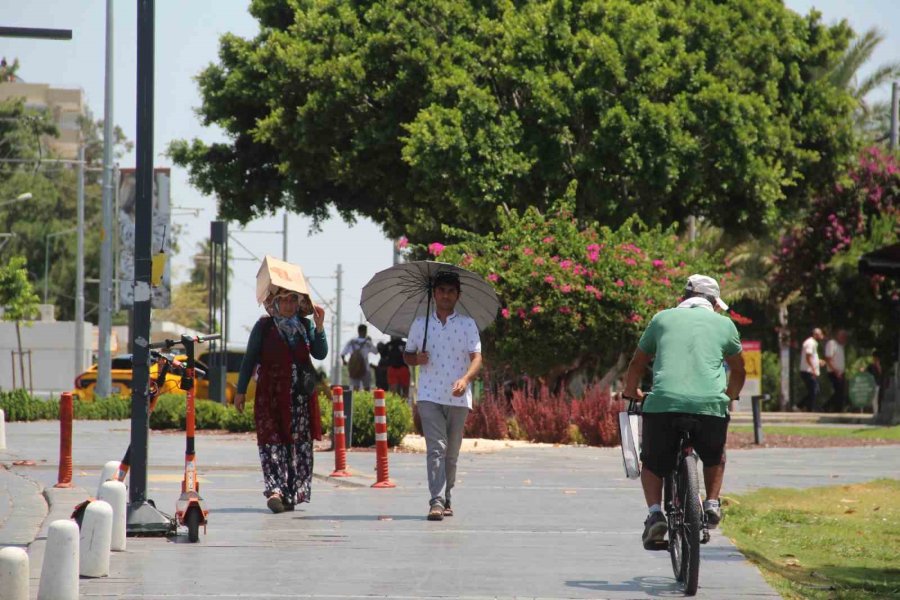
(393, 298)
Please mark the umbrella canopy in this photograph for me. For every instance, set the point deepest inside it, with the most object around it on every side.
(274, 274)
(393, 298)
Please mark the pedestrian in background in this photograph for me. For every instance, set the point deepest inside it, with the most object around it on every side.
(358, 349)
(447, 367)
(381, 369)
(397, 371)
(810, 365)
(286, 409)
(835, 362)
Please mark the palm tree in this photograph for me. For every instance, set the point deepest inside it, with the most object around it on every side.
(870, 117)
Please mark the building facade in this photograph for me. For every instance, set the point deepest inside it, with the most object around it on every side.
(65, 105)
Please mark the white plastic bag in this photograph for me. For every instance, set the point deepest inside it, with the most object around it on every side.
(630, 431)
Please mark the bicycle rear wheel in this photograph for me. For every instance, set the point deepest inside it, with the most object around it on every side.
(689, 494)
(675, 514)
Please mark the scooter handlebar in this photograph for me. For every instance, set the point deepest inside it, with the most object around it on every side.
(197, 339)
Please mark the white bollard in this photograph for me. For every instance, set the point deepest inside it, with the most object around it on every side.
(59, 573)
(2, 430)
(115, 493)
(14, 574)
(109, 472)
(96, 534)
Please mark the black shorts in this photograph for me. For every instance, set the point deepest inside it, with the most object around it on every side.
(659, 441)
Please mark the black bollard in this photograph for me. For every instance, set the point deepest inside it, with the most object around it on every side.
(756, 405)
(348, 417)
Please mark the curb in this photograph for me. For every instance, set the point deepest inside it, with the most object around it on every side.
(25, 509)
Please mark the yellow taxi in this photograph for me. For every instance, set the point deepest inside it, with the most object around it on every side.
(121, 380)
(233, 359)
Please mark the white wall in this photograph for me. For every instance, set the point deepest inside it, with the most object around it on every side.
(52, 348)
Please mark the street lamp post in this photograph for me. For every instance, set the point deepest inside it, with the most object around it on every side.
(5, 237)
(19, 198)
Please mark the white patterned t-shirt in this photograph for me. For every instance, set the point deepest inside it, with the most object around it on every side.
(449, 347)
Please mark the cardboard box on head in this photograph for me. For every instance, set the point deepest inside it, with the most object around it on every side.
(274, 274)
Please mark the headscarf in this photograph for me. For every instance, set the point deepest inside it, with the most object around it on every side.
(291, 328)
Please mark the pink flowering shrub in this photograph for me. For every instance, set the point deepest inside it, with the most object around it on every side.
(817, 258)
(574, 294)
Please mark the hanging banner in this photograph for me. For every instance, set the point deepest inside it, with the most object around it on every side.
(126, 198)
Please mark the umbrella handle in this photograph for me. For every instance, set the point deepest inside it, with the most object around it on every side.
(427, 318)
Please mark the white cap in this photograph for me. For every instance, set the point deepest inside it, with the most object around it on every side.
(701, 284)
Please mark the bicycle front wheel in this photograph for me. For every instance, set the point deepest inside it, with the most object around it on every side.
(689, 494)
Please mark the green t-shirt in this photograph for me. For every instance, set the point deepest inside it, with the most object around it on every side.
(689, 345)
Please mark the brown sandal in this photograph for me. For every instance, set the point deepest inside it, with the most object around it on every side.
(436, 512)
(448, 512)
(275, 504)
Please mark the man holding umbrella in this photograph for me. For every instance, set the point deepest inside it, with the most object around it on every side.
(446, 347)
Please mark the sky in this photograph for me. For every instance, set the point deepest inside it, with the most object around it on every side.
(187, 36)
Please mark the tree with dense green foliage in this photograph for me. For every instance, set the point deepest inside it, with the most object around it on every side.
(575, 295)
(44, 226)
(817, 262)
(17, 300)
(417, 114)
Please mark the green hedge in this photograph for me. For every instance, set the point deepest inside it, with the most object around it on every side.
(170, 409)
(399, 419)
(19, 405)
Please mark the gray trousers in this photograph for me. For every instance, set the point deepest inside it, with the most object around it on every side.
(443, 428)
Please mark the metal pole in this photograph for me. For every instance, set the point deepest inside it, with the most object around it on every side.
(895, 114)
(104, 366)
(784, 359)
(143, 517)
(284, 235)
(337, 335)
(115, 186)
(223, 303)
(46, 263)
(36, 33)
(79, 269)
(335, 359)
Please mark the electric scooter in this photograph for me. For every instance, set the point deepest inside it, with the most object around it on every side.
(190, 511)
(165, 363)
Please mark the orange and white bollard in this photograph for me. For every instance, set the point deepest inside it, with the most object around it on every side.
(66, 414)
(381, 443)
(337, 434)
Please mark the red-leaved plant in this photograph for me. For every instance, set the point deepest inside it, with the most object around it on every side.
(595, 414)
(543, 415)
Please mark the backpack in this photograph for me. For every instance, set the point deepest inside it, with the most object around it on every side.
(357, 366)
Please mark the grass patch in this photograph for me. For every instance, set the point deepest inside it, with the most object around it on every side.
(839, 542)
(866, 433)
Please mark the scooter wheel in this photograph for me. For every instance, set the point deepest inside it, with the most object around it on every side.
(192, 520)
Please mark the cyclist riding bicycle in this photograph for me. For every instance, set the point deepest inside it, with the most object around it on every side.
(687, 346)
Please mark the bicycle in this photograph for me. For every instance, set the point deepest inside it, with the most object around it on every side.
(686, 520)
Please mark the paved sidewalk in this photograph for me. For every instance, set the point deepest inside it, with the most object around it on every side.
(531, 522)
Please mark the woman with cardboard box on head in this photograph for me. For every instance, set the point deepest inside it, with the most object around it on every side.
(286, 409)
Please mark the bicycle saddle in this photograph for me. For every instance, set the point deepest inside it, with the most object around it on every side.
(686, 424)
